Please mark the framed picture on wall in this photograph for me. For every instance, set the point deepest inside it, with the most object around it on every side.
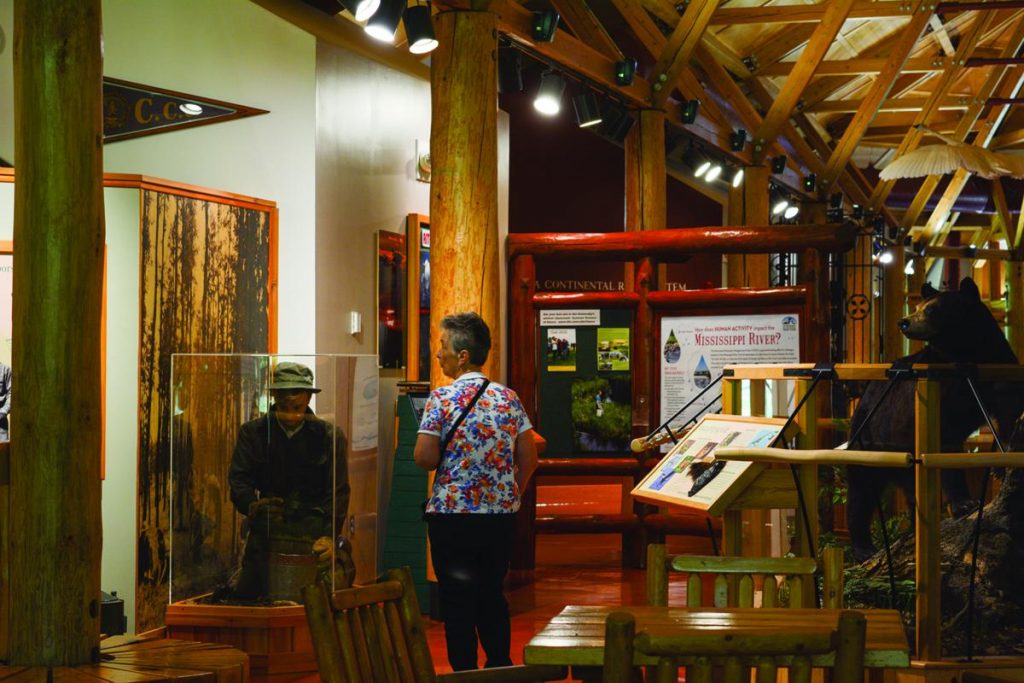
(391, 283)
(417, 240)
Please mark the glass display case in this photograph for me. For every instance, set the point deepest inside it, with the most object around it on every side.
(274, 476)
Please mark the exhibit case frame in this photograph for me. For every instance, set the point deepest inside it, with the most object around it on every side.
(244, 472)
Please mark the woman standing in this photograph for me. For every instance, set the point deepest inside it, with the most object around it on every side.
(475, 433)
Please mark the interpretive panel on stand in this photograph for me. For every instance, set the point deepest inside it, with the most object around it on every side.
(690, 476)
(694, 349)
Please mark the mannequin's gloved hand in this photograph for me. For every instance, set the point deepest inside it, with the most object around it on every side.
(265, 507)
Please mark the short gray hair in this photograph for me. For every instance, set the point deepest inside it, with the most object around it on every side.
(468, 332)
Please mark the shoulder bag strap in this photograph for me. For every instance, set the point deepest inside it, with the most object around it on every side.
(462, 416)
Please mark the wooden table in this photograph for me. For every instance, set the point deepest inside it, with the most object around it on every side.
(126, 658)
(575, 636)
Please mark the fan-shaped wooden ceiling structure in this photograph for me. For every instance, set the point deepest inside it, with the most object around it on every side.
(840, 87)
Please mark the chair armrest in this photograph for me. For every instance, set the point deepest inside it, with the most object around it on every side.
(528, 673)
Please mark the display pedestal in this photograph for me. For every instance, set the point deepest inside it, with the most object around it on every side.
(275, 638)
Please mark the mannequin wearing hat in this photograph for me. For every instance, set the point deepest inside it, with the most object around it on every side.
(281, 477)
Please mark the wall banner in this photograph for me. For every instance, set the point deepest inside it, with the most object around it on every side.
(695, 348)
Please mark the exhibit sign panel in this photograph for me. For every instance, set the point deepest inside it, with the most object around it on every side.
(690, 476)
(694, 349)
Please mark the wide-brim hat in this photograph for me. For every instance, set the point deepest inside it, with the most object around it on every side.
(288, 375)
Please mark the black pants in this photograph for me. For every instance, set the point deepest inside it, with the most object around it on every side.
(470, 554)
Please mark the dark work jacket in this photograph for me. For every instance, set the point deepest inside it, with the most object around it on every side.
(298, 469)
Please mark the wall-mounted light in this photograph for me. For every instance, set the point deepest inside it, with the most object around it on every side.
(587, 112)
(689, 109)
(544, 25)
(383, 24)
(419, 29)
(625, 70)
(549, 95)
(361, 10)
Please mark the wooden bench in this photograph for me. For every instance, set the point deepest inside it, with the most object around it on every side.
(735, 579)
(733, 652)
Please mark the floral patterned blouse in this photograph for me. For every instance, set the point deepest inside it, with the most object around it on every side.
(477, 472)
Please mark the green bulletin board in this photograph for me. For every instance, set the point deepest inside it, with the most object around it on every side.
(585, 388)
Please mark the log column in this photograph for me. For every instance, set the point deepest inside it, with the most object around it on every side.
(646, 188)
(464, 181)
(56, 529)
(748, 205)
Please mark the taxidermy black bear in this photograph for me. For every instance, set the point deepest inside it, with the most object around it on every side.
(958, 328)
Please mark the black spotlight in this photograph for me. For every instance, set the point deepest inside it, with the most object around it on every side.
(361, 10)
(810, 182)
(971, 250)
(921, 246)
(779, 164)
(737, 139)
(587, 112)
(835, 200)
(615, 122)
(625, 70)
(545, 23)
(383, 24)
(856, 212)
(878, 225)
(510, 70)
(419, 29)
(689, 110)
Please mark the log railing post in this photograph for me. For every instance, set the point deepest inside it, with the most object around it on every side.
(56, 527)
(928, 510)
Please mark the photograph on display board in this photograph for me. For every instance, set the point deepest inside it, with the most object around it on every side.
(561, 349)
(690, 476)
(390, 299)
(601, 414)
(613, 349)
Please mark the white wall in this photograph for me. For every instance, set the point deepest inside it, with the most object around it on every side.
(117, 572)
(368, 120)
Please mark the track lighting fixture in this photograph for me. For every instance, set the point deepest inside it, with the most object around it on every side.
(361, 10)
(737, 139)
(737, 177)
(885, 257)
(510, 70)
(587, 112)
(810, 182)
(689, 110)
(920, 246)
(779, 164)
(909, 268)
(780, 206)
(384, 22)
(971, 250)
(857, 212)
(419, 29)
(545, 23)
(711, 175)
(791, 212)
(835, 200)
(615, 122)
(625, 70)
(549, 94)
(702, 168)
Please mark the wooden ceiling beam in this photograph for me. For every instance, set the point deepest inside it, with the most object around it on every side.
(586, 26)
(861, 65)
(778, 46)
(890, 104)
(869, 107)
(800, 76)
(1003, 210)
(792, 14)
(675, 55)
(913, 136)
